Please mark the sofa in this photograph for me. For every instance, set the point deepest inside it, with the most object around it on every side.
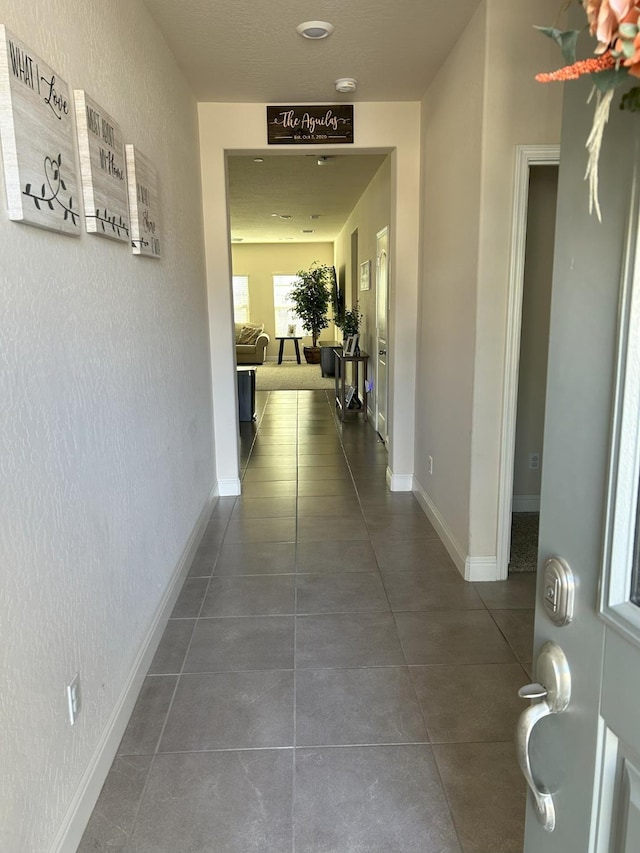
(251, 343)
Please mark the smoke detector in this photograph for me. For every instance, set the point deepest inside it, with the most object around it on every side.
(346, 84)
(315, 29)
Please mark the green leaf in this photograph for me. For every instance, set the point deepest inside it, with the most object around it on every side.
(565, 39)
(628, 31)
(609, 79)
(631, 100)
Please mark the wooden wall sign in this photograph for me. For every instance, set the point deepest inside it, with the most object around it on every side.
(142, 182)
(37, 140)
(314, 125)
(103, 170)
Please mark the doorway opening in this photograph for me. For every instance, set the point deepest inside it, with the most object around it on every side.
(526, 358)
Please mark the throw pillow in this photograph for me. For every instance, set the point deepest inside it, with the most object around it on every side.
(248, 335)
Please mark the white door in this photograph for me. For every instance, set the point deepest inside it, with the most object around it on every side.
(587, 757)
(382, 319)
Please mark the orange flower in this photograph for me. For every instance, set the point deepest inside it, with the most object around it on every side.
(583, 66)
(605, 16)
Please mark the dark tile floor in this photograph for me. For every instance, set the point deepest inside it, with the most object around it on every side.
(327, 682)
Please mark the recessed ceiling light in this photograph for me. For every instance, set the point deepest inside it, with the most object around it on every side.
(307, 230)
(275, 215)
(237, 239)
(258, 159)
(285, 216)
(346, 84)
(315, 29)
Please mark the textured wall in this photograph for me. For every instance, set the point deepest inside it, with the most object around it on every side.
(106, 453)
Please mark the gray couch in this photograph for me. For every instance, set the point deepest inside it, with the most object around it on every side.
(251, 343)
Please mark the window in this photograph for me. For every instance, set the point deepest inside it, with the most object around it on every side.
(283, 309)
(241, 298)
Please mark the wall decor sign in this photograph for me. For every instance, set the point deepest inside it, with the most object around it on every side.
(142, 181)
(103, 170)
(365, 275)
(36, 130)
(315, 125)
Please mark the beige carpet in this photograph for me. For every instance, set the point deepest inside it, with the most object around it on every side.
(291, 376)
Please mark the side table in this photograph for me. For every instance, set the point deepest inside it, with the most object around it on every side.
(340, 381)
(295, 343)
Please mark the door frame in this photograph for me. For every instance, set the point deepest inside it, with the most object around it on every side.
(526, 157)
(385, 438)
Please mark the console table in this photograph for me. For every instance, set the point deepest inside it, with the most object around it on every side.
(342, 361)
(295, 343)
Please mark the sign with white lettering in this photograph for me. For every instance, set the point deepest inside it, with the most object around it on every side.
(142, 181)
(103, 170)
(314, 125)
(37, 140)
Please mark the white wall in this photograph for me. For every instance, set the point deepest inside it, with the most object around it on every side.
(472, 124)
(371, 214)
(261, 261)
(379, 128)
(106, 445)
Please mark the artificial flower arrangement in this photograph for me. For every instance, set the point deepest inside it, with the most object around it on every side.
(616, 26)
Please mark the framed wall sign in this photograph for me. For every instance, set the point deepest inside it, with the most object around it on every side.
(142, 181)
(314, 125)
(103, 170)
(365, 275)
(36, 129)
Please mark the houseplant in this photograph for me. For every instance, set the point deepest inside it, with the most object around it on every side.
(310, 296)
(348, 321)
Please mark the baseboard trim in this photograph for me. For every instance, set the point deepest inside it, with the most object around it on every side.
(481, 569)
(471, 568)
(230, 487)
(399, 482)
(525, 503)
(442, 529)
(82, 804)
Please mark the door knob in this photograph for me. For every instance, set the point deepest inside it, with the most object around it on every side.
(382, 352)
(554, 691)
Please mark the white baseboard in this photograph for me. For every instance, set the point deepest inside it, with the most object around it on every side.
(229, 488)
(82, 804)
(481, 569)
(399, 482)
(448, 539)
(525, 503)
(471, 568)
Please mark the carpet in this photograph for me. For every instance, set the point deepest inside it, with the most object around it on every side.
(291, 376)
(524, 542)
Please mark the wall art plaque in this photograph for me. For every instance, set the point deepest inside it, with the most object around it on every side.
(36, 130)
(103, 170)
(142, 181)
(313, 125)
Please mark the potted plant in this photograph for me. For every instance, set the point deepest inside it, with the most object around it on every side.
(349, 321)
(310, 296)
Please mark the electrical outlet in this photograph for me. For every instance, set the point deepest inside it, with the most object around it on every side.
(430, 464)
(73, 698)
(534, 461)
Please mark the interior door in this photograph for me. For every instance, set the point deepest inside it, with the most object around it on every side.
(587, 757)
(382, 320)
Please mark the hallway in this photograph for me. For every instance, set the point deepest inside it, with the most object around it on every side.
(327, 682)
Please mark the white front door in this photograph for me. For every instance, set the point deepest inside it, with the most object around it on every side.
(382, 319)
(587, 757)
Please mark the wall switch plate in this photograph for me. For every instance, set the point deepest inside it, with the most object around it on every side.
(73, 698)
(430, 464)
(534, 461)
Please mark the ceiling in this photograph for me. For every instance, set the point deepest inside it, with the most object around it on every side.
(296, 186)
(247, 51)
